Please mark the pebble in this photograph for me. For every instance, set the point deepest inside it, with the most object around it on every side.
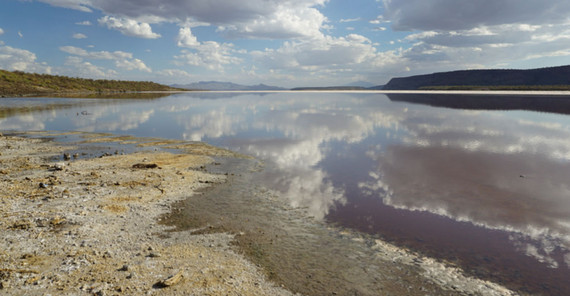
(170, 281)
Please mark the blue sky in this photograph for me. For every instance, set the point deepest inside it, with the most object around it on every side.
(279, 42)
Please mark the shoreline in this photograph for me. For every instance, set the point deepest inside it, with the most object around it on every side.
(101, 224)
(89, 226)
(449, 92)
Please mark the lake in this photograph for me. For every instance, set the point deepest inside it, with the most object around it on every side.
(478, 181)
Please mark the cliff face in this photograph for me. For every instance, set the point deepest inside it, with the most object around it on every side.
(532, 77)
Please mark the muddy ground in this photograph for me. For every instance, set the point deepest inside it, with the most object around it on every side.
(89, 226)
(109, 215)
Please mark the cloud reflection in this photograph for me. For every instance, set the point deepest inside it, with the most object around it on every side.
(491, 169)
(496, 169)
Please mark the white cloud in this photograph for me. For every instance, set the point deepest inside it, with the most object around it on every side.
(81, 5)
(134, 64)
(1, 31)
(486, 46)
(186, 39)
(129, 27)
(122, 59)
(15, 59)
(79, 36)
(98, 55)
(76, 66)
(84, 23)
(349, 20)
(169, 76)
(329, 60)
(20, 34)
(249, 19)
(293, 21)
(209, 54)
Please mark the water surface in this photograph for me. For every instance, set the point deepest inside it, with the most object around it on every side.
(478, 181)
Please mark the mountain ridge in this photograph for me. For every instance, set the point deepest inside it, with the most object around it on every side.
(221, 85)
(485, 78)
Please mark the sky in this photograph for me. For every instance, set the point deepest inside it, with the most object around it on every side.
(287, 43)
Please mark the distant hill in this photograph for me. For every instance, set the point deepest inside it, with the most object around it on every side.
(542, 78)
(21, 83)
(217, 85)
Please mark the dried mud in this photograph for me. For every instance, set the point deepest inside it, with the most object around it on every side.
(90, 226)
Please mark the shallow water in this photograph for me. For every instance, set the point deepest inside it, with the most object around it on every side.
(479, 181)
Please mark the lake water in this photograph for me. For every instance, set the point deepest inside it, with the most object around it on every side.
(480, 181)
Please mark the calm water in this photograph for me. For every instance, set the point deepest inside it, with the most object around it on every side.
(480, 181)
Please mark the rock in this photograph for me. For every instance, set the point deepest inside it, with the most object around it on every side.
(56, 167)
(57, 220)
(43, 185)
(145, 166)
(124, 268)
(66, 156)
(170, 281)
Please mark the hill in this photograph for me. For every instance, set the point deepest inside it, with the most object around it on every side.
(21, 83)
(556, 78)
(217, 85)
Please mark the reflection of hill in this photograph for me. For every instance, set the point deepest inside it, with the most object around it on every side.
(551, 104)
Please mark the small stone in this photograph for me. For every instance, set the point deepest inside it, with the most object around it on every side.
(57, 167)
(145, 166)
(43, 185)
(124, 268)
(66, 156)
(170, 281)
(57, 220)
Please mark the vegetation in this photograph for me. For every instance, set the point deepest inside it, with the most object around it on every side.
(21, 83)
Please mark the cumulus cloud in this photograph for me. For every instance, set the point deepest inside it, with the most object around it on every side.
(330, 60)
(76, 66)
(129, 27)
(169, 76)
(324, 52)
(16, 59)
(485, 46)
(250, 19)
(209, 54)
(79, 36)
(122, 59)
(283, 23)
(134, 64)
(186, 38)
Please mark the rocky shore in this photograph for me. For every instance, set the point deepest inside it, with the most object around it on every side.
(76, 225)
(78, 217)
